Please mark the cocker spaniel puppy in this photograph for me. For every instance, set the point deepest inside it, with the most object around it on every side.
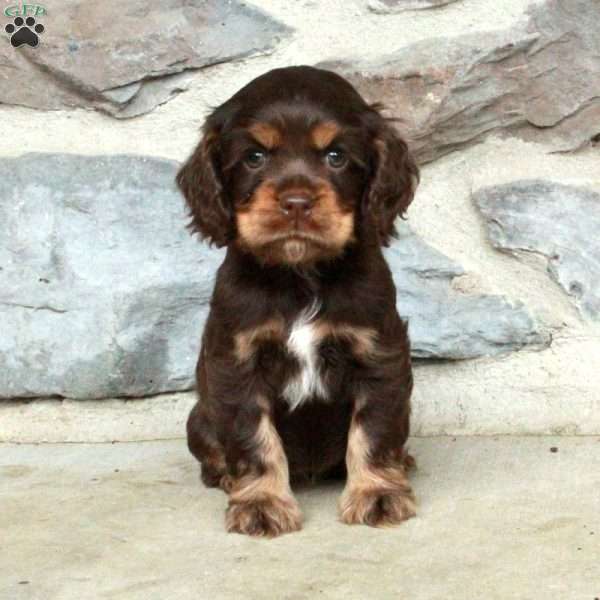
(305, 364)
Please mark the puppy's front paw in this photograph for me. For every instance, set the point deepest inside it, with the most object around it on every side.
(269, 516)
(377, 507)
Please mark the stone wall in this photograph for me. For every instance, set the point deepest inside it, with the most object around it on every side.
(103, 293)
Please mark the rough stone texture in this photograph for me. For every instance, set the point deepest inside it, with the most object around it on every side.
(554, 390)
(562, 222)
(497, 519)
(392, 6)
(540, 80)
(126, 58)
(448, 324)
(104, 292)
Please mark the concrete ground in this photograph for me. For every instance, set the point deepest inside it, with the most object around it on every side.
(506, 517)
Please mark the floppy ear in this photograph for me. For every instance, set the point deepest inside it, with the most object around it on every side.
(393, 181)
(200, 183)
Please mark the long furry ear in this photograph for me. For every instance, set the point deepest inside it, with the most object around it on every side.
(393, 182)
(200, 183)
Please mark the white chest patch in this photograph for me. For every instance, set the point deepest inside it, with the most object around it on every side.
(302, 343)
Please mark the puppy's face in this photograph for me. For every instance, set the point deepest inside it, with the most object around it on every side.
(296, 179)
(294, 167)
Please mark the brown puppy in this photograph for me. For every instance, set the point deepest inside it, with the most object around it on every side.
(305, 364)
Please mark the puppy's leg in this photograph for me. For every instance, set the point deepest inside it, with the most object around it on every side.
(260, 499)
(377, 491)
(203, 444)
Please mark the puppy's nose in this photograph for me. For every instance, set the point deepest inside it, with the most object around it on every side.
(296, 203)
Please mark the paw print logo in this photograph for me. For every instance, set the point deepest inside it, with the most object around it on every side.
(24, 32)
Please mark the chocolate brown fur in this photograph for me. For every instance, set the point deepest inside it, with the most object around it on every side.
(303, 228)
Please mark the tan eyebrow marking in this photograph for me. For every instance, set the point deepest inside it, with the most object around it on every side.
(265, 134)
(324, 133)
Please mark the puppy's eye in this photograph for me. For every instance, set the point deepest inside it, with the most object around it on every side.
(336, 158)
(255, 159)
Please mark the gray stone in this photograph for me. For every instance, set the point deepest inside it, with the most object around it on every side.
(104, 293)
(126, 58)
(561, 222)
(540, 80)
(385, 7)
(448, 324)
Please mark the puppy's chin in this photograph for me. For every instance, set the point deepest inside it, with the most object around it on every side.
(293, 251)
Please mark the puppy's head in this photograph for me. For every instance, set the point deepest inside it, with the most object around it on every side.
(295, 167)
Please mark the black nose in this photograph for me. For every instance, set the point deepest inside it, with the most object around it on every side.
(295, 203)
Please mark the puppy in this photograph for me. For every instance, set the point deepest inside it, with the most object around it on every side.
(305, 366)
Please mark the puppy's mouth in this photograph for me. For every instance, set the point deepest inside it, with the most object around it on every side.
(298, 233)
(294, 247)
(297, 244)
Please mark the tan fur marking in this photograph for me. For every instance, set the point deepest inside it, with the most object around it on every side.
(363, 339)
(246, 341)
(263, 504)
(252, 218)
(265, 134)
(336, 221)
(377, 496)
(275, 480)
(295, 250)
(324, 133)
(263, 228)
